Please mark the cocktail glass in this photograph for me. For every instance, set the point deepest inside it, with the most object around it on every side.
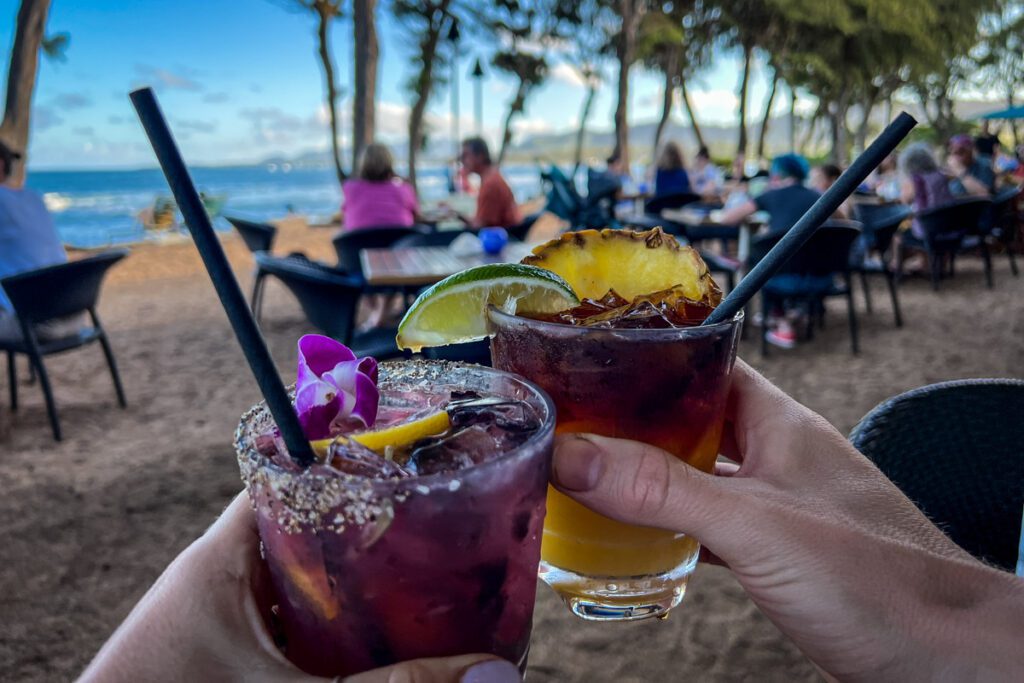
(665, 387)
(369, 572)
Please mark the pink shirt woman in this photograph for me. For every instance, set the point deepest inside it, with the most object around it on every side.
(376, 197)
(370, 204)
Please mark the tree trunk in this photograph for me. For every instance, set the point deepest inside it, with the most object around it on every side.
(741, 144)
(581, 134)
(516, 107)
(689, 112)
(666, 103)
(792, 118)
(767, 116)
(424, 84)
(366, 54)
(625, 50)
(21, 81)
(323, 30)
(1013, 122)
(860, 141)
(809, 131)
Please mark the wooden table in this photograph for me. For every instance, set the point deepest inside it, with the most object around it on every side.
(422, 266)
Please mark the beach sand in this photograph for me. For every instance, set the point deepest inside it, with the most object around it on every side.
(87, 524)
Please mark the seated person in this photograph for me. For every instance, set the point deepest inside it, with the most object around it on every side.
(786, 201)
(705, 178)
(822, 178)
(670, 175)
(972, 176)
(495, 203)
(923, 185)
(376, 197)
(28, 240)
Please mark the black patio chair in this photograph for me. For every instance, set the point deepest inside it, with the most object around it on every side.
(49, 295)
(945, 228)
(348, 244)
(810, 276)
(441, 238)
(258, 237)
(677, 200)
(955, 450)
(1005, 223)
(879, 223)
(330, 299)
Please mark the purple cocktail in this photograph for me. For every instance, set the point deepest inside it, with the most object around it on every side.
(428, 550)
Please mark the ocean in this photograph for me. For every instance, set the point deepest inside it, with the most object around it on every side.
(100, 208)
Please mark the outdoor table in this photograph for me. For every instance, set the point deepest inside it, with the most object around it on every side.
(423, 266)
(696, 218)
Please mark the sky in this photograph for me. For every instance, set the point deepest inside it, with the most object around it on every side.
(240, 82)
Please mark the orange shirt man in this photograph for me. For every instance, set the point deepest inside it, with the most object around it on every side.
(495, 204)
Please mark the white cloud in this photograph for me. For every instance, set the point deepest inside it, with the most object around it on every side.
(564, 73)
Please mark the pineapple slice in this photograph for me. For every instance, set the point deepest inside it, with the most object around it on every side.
(629, 262)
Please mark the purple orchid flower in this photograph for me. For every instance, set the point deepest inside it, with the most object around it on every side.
(332, 383)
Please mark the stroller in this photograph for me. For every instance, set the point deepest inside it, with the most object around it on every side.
(595, 210)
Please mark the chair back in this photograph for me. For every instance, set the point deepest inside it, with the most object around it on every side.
(675, 200)
(441, 238)
(955, 449)
(349, 244)
(950, 222)
(879, 223)
(257, 236)
(825, 253)
(328, 297)
(60, 290)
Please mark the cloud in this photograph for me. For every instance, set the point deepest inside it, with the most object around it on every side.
(84, 131)
(116, 120)
(44, 118)
(216, 98)
(72, 100)
(564, 73)
(271, 125)
(717, 100)
(195, 125)
(162, 78)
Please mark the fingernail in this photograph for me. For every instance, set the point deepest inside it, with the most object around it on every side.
(492, 671)
(577, 465)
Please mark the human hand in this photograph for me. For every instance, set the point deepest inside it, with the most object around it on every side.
(203, 620)
(824, 544)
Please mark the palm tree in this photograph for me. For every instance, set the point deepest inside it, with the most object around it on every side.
(29, 37)
(326, 11)
(530, 71)
(366, 55)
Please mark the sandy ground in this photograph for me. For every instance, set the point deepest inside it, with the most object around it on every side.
(86, 525)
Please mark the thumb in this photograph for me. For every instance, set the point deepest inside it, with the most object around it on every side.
(637, 483)
(463, 669)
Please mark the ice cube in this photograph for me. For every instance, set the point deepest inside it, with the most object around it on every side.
(352, 457)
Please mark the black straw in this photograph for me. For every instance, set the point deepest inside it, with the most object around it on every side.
(198, 221)
(820, 212)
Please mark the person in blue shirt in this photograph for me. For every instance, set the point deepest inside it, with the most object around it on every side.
(785, 202)
(670, 176)
(28, 239)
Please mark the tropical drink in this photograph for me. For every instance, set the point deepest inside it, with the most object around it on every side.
(418, 537)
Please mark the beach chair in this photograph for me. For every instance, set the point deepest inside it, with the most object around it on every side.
(879, 223)
(955, 450)
(258, 237)
(810, 276)
(1003, 230)
(348, 244)
(58, 296)
(330, 299)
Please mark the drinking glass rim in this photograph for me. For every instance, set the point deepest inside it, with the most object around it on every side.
(245, 446)
(496, 314)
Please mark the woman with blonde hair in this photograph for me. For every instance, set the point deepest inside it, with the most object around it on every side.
(670, 177)
(376, 197)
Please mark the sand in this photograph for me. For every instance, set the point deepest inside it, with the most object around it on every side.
(87, 524)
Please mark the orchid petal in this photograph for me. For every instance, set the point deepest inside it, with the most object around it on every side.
(331, 382)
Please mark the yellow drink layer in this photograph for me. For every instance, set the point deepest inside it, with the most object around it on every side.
(585, 542)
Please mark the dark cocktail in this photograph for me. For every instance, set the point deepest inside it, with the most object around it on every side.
(634, 367)
(424, 547)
